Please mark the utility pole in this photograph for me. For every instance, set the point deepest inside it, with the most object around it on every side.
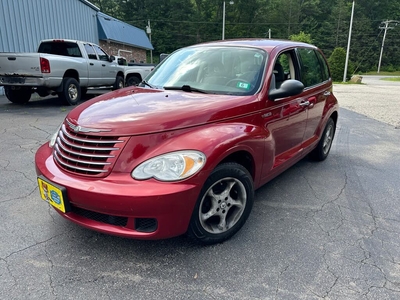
(148, 30)
(385, 27)
(348, 43)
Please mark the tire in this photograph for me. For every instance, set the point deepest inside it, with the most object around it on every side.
(321, 152)
(119, 83)
(18, 95)
(71, 93)
(133, 80)
(223, 206)
(83, 92)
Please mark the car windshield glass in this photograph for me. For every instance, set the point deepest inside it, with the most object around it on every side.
(211, 69)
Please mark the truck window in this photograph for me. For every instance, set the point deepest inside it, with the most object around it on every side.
(90, 52)
(60, 48)
(102, 55)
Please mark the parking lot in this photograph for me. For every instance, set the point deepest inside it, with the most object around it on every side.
(327, 230)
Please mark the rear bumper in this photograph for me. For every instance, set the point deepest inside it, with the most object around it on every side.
(118, 196)
(50, 82)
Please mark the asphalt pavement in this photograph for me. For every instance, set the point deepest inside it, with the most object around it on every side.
(327, 230)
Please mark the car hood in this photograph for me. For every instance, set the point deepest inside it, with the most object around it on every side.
(136, 110)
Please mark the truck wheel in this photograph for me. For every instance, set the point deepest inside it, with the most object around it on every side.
(119, 83)
(83, 92)
(18, 95)
(133, 80)
(71, 93)
(223, 206)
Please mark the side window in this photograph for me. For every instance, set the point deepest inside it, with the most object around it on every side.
(90, 52)
(324, 66)
(284, 68)
(311, 70)
(73, 50)
(102, 55)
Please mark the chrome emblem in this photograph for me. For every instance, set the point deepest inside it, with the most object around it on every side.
(77, 128)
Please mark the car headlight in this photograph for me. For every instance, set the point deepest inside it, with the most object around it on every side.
(54, 136)
(171, 166)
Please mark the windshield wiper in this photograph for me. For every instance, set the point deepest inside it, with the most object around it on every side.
(144, 82)
(186, 88)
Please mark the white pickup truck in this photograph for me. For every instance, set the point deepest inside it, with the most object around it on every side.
(134, 73)
(64, 67)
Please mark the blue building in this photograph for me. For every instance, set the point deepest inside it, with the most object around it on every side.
(24, 23)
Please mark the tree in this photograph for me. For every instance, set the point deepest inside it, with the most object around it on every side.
(178, 23)
(301, 37)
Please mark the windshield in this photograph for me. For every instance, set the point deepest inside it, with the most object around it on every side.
(210, 69)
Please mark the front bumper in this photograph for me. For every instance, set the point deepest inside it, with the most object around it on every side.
(119, 197)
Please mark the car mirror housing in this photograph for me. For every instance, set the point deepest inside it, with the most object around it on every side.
(288, 88)
(112, 58)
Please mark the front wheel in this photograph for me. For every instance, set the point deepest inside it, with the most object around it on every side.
(133, 80)
(321, 152)
(71, 93)
(223, 206)
(18, 95)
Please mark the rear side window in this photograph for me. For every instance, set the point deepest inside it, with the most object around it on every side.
(312, 72)
(90, 52)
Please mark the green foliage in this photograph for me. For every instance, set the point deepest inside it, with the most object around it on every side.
(336, 63)
(178, 23)
(301, 37)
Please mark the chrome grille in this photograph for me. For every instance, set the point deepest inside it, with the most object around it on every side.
(84, 154)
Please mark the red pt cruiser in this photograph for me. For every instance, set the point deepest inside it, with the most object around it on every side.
(184, 151)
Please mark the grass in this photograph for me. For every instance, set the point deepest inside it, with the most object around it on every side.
(396, 73)
(391, 78)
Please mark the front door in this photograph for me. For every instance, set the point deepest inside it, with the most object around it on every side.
(108, 69)
(285, 118)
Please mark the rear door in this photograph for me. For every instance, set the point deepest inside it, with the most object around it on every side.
(318, 85)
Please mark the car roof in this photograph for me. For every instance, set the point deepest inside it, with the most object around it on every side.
(267, 44)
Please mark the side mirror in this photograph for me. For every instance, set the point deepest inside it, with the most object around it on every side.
(111, 58)
(288, 88)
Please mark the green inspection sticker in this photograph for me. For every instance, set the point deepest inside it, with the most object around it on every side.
(243, 85)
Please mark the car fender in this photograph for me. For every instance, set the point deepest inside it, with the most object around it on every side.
(216, 141)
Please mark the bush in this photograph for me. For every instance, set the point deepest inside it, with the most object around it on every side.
(337, 61)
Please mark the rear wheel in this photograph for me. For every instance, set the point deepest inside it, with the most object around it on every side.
(119, 83)
(223, 206)
(133, 80)
(18, 95)
(321, 152)
(71, 93)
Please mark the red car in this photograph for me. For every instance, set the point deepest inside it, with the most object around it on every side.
(184, 151)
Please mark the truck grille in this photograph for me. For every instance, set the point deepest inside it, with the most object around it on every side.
(84, 154)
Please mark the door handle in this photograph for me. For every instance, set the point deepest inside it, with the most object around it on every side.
(92, 64)
(103, 65)
(304, 103)
(327, 93)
